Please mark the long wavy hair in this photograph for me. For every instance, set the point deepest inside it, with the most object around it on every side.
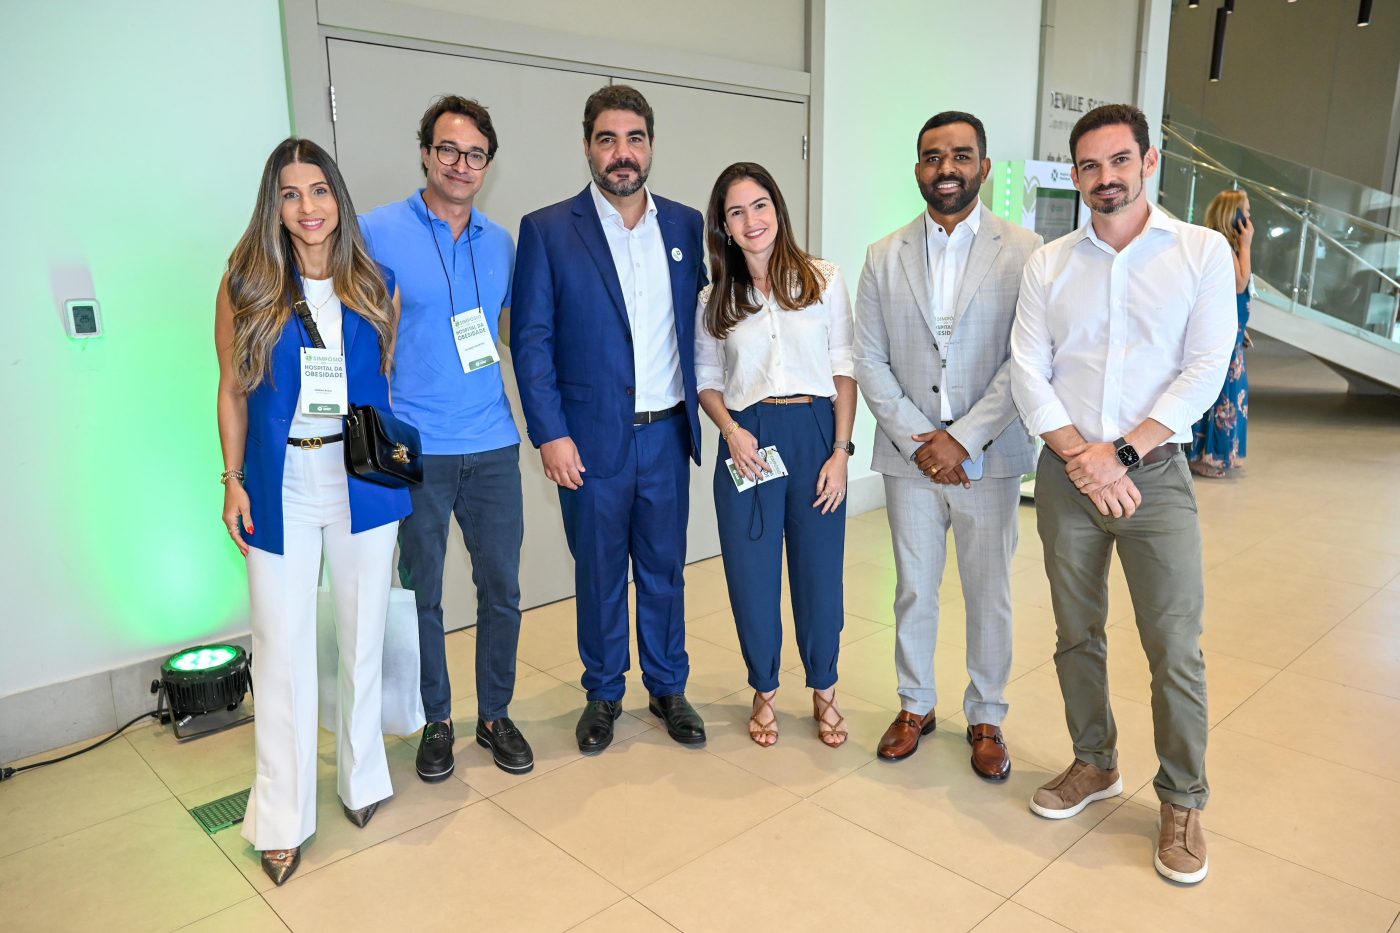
(262, 274)
(795, 280)
(1220, 215)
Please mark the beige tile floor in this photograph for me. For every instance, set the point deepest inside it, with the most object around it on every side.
(1303, 657)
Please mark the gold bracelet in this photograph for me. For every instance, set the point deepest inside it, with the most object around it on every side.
(729, 429)
(230, 474)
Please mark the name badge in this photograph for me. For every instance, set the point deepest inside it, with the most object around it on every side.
(323, 389)
(475, 347)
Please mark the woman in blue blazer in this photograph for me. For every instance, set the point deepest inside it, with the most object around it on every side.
(287, 496)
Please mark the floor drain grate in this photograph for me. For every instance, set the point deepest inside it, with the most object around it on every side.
(222, 813)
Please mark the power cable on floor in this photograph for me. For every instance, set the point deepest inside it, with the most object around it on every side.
(7, 773)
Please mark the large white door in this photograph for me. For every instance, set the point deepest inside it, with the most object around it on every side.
(381, 93)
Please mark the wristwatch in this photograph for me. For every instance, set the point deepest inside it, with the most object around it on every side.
(1127, 454)
(848, 447)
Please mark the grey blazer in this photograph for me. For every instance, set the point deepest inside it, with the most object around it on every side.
(896, 357)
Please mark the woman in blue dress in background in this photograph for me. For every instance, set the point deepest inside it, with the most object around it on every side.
(1218, 439)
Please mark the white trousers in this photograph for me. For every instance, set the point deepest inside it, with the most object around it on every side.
(316, 517)
(984, 522)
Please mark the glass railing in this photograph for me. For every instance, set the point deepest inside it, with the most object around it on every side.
(1323, 241)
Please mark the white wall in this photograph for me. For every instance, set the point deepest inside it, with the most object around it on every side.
(889, 66)
(135, 132)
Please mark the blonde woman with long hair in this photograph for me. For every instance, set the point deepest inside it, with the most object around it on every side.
(287, 496)
(1218, 439)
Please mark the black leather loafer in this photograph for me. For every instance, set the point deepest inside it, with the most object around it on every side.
(508, 747)
(595, 726)
(435, 762)
(682, 722)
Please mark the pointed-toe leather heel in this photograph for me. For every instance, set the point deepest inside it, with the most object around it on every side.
(280, 863)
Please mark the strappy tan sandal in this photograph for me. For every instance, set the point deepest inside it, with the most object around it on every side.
(765, 735)
(832, 734)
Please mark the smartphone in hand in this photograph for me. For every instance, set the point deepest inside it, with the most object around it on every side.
(1238, 222)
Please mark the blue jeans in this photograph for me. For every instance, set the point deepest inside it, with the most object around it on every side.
(483, 491)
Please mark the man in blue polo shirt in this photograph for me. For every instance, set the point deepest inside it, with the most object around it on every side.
(453, 266)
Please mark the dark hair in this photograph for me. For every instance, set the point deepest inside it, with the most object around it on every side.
(464, 107)
(795, 280)
(617, 97)
(954, 116)
(1111, 115)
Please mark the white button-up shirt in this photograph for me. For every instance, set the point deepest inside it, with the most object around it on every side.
(775, 352)
(947, 261)
(643, 271)
(1104, 340)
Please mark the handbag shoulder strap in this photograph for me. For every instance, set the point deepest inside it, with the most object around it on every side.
(303, 311)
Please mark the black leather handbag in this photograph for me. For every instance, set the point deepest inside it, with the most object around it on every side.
(379, 448)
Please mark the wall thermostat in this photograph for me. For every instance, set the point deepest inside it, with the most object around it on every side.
(83, 318)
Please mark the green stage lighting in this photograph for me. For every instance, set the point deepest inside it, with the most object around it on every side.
(204, 681)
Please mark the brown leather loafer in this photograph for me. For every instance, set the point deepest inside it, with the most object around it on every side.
(901, 739)
(990, 758)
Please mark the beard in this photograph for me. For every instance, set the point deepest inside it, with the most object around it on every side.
(949, 204)
(1099, 205)
(621, 189)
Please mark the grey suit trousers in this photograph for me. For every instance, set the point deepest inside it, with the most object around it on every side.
(985, 528)
(1160, 546)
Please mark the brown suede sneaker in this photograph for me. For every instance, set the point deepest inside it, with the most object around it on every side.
(1181, 847)
(1080, 785)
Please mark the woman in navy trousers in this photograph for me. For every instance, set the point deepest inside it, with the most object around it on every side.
(774, 370)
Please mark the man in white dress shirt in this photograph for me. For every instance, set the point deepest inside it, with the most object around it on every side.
(934, 312)
(1123, 332)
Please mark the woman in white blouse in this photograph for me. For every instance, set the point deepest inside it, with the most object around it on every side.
(773, 365)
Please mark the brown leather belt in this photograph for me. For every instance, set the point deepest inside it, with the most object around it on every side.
(788, 400)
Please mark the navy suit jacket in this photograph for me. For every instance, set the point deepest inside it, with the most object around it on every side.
(569, 334)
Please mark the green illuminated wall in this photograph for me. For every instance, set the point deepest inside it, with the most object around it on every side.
(889, 66)
(134, 133)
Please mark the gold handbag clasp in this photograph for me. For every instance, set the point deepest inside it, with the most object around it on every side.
(400, 454)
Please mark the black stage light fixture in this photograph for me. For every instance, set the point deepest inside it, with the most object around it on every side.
(1193, 3)
(201, 689)
(1228, 6)
(1363, 15)
(1217, 48)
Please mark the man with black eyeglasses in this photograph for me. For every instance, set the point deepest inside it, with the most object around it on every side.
(453, 266)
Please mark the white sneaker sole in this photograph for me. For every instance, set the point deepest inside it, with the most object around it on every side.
(1113, 790)
(1180, 876)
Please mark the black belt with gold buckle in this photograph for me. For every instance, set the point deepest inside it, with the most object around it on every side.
(651, 417)
(314, 443)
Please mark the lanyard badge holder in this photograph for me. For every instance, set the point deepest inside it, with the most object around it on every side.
(470, 333)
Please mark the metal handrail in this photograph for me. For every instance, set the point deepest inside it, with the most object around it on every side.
(1308, 203)
(1267, 191)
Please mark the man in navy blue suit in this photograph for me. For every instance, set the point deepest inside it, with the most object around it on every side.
(603, 336)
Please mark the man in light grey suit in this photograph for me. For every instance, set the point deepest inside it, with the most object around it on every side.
(933, 322)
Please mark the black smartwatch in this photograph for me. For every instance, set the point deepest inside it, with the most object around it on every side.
(1127, 454)
(848, 447)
